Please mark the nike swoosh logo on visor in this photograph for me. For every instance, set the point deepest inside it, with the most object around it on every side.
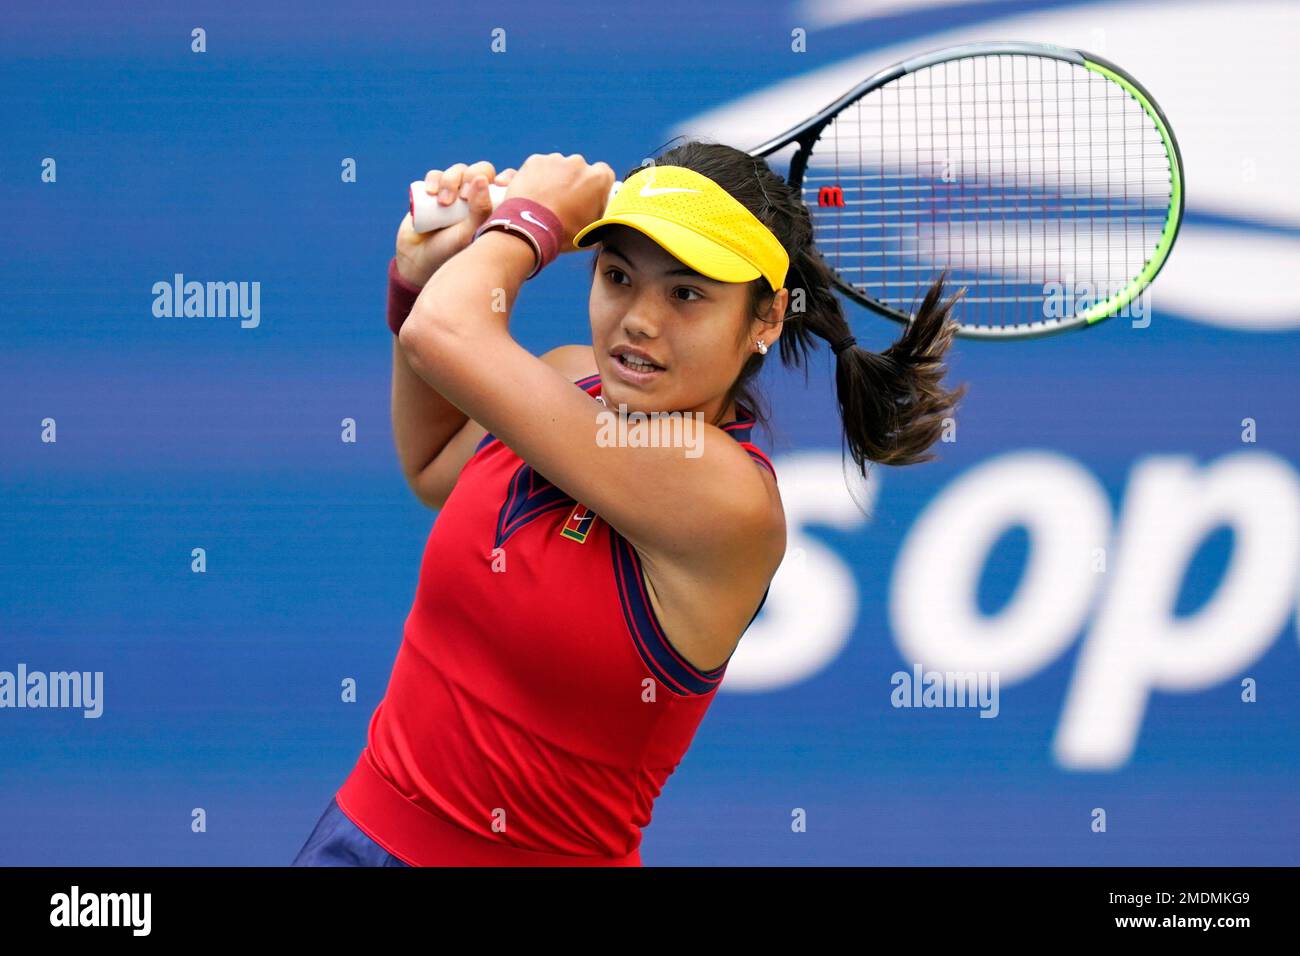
(649, 188)
(647, 191)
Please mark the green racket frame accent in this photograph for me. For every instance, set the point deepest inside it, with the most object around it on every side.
(806, 133)
(1143, 279)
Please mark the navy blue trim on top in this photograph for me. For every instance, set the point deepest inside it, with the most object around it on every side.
(530, 497)
(659, 656)
(761, 460)
(740, 428)
(529, 494)
(663, 660)
(760, 607)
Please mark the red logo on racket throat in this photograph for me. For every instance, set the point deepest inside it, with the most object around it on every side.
(831, 196)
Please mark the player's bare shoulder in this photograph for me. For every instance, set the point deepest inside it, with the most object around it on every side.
(574, 361)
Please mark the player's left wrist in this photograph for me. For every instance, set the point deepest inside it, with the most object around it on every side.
(509, 248)
(533, 225)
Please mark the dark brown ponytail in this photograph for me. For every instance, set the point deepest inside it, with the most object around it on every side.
(892, 403)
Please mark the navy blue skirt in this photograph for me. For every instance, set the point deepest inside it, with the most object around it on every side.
(337, 841)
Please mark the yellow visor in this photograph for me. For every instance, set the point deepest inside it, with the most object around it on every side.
(698, 222)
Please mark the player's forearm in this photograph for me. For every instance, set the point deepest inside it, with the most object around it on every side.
(423, 421)
(468, 299)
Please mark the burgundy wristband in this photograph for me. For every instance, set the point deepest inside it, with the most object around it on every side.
(533, 223)
(401, 297)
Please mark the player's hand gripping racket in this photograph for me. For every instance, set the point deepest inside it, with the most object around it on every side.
(1044, 180)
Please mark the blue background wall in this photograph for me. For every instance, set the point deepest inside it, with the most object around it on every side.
(222, 689)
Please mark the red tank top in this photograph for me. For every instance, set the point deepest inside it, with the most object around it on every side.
(535, 707)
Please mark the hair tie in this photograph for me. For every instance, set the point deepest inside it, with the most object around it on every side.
(842, 344)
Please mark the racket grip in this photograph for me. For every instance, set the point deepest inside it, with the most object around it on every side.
(427, 214)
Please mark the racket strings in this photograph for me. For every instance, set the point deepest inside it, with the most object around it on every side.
(1039, 185)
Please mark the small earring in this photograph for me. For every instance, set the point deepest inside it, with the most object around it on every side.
(762, 347)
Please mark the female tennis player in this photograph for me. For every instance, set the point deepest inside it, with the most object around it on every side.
(580, 596)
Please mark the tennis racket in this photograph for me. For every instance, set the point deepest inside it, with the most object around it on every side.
(1044, 181)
